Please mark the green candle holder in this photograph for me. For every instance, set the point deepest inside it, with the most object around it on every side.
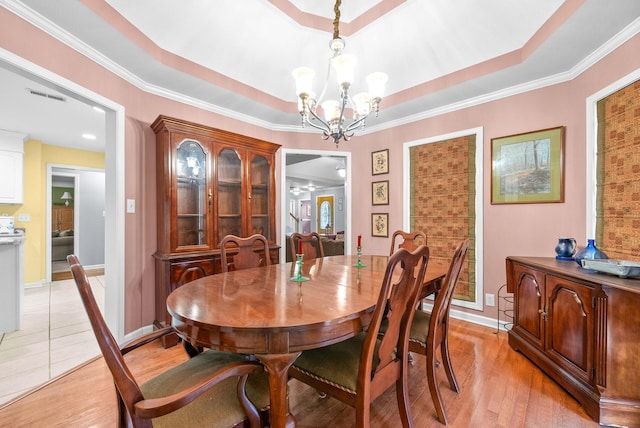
(359, 264)
(297, 272)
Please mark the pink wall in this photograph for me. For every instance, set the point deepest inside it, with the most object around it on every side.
(508, 229)
(528, 229)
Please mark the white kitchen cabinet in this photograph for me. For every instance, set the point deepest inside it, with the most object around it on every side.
(12, 284)
(11, 167)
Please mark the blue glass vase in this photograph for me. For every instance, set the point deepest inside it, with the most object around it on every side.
(590, 252)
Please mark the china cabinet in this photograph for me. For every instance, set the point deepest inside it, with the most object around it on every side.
(210, 183)
(580, 328)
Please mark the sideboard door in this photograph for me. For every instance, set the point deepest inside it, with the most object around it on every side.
(570, 326)
(529, 305)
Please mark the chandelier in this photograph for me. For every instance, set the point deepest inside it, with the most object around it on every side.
(334, 124)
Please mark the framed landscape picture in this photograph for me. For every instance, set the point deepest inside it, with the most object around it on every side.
(528, 168)
(380, 224)
(380, 192)
(380, 162)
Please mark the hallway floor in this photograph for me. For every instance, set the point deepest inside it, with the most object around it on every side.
(55, 336)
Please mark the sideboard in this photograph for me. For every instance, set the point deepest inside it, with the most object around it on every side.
(583, 330)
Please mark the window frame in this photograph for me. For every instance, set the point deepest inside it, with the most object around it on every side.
(478, 303)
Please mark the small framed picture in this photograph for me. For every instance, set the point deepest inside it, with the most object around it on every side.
(380, 192)
(380, 162)
(380, 224)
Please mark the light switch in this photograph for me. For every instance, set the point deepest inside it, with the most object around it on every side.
(131, 206)
(24, 218)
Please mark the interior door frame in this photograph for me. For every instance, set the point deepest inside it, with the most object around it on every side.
(114, 182)
(284, 191)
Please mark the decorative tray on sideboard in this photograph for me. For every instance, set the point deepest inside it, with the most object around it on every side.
(621, 268)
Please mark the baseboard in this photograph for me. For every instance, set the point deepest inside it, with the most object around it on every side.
(41, 283)
(137, 333)
(95, 270)
(472, 318)
(59, 276)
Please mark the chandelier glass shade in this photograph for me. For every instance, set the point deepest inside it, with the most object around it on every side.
(334, 124)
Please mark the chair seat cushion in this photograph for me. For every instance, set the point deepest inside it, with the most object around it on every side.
(420, 327)
(218, 407)
(337, 364)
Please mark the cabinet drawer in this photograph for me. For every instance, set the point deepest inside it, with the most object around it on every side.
(187, 271)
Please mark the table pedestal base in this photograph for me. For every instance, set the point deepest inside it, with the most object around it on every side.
(277, 367)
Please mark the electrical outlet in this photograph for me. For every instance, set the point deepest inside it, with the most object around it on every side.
(24, 218)
(490, 299)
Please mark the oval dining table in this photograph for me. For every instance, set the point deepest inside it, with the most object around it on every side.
(263, 312)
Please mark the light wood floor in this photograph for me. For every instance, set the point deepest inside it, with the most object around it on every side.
(55, 336)
(499, 388)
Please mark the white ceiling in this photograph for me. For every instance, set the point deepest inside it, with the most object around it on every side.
(318, 171)
(236, 57)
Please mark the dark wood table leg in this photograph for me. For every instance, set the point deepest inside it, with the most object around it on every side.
(277, 365)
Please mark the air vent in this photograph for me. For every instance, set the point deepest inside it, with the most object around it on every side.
(45, 95)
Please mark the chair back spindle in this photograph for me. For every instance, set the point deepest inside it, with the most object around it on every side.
(244, 253)
(311, 245)
(407, 240)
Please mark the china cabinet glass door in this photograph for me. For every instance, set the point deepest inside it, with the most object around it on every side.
(259, 196)
(191, 194)
(229, 172)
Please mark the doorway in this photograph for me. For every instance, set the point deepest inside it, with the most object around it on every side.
(325, 217)
(113, 184)
(62, 227)
(76, 219)
(311, 177)
(114, 179)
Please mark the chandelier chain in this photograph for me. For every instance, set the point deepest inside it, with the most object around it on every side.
(336, 21)
(335, 125)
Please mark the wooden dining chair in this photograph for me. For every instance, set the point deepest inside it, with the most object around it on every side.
(311, 245)
(430, 331)
(244, 253)
(211, 389)
(408, 240)
(358, 370)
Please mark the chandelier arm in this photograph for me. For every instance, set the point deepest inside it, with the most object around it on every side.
(326, 84)
(325, 128)
(343, 98)
(353, 125)
(313, 125)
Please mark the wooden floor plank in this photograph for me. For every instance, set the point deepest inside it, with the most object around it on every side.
(499, 388)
